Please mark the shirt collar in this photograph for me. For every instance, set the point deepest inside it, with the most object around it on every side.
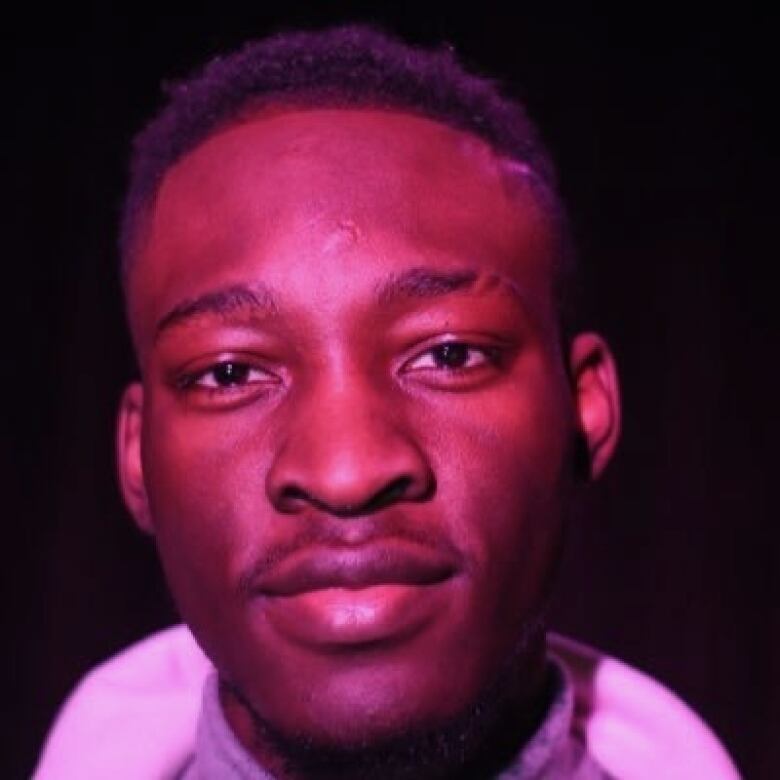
(218, 754)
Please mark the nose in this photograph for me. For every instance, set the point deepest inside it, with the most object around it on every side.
(346, 453)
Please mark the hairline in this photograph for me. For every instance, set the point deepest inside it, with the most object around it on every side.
(274, 104)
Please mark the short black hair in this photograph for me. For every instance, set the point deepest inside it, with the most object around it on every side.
(347, 66)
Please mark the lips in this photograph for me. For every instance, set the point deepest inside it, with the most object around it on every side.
(354, 568)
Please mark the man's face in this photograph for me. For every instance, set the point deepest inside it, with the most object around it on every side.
(356, 424)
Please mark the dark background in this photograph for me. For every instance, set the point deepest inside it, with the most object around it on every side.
(653, 119)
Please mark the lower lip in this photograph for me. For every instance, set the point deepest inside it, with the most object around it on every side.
(337, 618)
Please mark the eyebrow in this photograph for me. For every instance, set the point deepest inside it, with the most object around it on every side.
(423, 283)
(259, 298)
(431, 283)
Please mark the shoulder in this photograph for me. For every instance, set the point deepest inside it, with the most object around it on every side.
(136, 716)
(133, 716)
(632, 725)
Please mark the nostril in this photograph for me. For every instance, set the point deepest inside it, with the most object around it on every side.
(395, 491)
(293, 497)
(349, 475)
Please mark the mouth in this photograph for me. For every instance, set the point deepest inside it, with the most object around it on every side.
(336, 598)
(389, 563)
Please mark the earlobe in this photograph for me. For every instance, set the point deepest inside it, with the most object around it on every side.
(128, 454)
(597, 398)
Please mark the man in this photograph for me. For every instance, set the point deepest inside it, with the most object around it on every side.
(363, 416)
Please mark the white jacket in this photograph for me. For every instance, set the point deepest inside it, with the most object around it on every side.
(134, 717)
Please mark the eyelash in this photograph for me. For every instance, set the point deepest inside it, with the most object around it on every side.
(195, 380)
(438, 354)
(206, 381)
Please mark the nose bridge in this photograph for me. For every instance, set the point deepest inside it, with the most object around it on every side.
(345, 445)
(347, 422)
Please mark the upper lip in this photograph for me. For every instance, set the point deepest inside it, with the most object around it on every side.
(355, 567)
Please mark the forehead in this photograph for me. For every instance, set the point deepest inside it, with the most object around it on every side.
(321, 181)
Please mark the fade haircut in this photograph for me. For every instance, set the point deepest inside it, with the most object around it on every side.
(343, 67)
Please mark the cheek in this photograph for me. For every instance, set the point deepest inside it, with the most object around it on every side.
(503, 474)
(205, 488)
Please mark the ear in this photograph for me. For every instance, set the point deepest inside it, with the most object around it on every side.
(597, 398)
(128, 455)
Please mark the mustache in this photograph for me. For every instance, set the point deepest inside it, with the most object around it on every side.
(347, 535)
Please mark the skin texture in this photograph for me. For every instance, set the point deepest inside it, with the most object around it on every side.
(298, 412)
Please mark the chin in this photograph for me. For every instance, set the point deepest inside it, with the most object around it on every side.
(387, 733)
(364, 699)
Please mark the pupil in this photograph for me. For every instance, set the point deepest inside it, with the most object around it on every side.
(231, 373)
(452, 355)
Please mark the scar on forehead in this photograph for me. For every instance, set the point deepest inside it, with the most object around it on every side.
(486, 283)
(518, 168)
(345, 232)
(518, 177)
(347, 226)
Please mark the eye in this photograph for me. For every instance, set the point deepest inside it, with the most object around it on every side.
(226, 376)
(229, 374)
(453, 356)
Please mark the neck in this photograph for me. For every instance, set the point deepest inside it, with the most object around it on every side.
(478, 742)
